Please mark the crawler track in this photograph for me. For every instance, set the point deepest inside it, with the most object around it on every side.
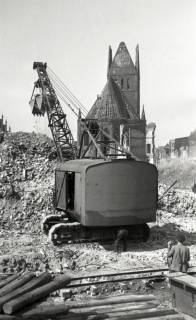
(63, 231)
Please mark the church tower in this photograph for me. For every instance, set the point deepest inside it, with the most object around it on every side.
(117, 109)
(127, 76)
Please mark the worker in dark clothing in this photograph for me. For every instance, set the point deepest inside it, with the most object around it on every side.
(122, 237)
(180, 255)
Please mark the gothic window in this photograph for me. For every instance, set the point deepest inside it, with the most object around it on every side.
(122, 83)
(148, 148)
(128, 85)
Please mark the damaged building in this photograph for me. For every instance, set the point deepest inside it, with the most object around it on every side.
(117, 108)
(3, 128)
(181, 148)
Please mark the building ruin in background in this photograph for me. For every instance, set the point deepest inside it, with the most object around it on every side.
(179, 148)
(117, 109)
(3, 128)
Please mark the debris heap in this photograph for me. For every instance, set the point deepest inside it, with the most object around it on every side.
(26, 179)
(178, 202)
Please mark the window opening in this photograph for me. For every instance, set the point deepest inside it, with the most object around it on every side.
(148, 148)
(70, 190)
(122, 83)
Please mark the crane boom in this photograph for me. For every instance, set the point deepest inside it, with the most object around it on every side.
(47, 102)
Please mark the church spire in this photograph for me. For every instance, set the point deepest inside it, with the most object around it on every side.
(137, 59)
(143, 117)
(109, 59)
(137, 66)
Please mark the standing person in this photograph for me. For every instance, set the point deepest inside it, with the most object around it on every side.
(180, 255)
(169, 259)
(122, 236)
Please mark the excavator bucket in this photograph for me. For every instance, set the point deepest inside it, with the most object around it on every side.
(37, 105)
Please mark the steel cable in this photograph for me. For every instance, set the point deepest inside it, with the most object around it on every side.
(68, 93)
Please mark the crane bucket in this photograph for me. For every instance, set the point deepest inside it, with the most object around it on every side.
(38, 105)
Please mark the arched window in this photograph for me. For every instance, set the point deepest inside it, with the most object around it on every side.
(128, 85)
(148, 148)
(122, 83)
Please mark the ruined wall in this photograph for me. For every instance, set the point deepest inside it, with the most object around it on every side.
(192, 150)
(150, 142)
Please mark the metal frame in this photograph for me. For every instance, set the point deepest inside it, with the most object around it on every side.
(57, 121)
(96, 138)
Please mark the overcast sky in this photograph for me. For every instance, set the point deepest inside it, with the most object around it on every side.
(73, 36)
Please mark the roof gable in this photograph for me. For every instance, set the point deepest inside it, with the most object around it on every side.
(122, 63)
(110, 104)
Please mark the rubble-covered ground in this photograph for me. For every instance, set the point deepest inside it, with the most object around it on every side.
(26, 196)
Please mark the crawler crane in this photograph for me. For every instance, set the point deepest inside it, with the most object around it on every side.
(98, 191)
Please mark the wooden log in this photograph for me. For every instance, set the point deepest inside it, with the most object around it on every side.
(7, 317)
(16, 283)
(130, 312)
(168, 317)
(110, 300)
(97, 317)
(138, 314)
(8, 280)
(44, 312)
(116, 307)
(75, 317)
(32, 284)
(35, 295)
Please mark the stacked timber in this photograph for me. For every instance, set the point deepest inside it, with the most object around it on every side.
(17, 292)
(120, 307)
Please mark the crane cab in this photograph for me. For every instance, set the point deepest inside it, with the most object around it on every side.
(99, 193)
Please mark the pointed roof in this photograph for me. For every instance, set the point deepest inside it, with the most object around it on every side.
(137, 58)
(143, 117)
(110, 104)
(122, 62)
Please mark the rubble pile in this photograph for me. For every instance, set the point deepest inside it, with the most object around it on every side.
(183, 170)
(178, 202)
(26, 179)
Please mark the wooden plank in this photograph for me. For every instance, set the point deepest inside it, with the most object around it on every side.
(185, 279)
(101, 316)
(116, 307)
(28, 298)
(74, 317)
(137, 314)
(32, 284)
(167, 317)
(174, 274)
(18, 282)
(110, 300)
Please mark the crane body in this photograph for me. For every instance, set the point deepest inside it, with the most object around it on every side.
(98, 192)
